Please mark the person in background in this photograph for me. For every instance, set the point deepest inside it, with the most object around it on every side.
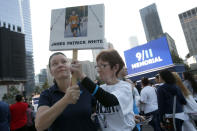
(114, 98)
(165, 95)
(18, 114)
(30, 119)
(157, 81)
(137, 86)
(190, 108)
(148, 98)
(4, 116)
(190, 83)
(64, 107)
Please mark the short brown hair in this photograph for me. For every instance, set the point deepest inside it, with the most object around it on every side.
(145, 81)
(111, 56)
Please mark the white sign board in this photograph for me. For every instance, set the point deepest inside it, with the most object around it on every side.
(80, 27)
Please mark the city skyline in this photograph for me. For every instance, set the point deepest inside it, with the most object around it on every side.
(122, 20)
(15, 15)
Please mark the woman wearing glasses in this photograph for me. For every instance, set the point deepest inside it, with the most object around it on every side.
(114, 98)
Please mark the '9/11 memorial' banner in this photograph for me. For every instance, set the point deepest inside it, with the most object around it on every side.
(154, 54)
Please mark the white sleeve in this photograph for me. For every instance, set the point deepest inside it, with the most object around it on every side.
(125, 98)
(143, 97)
(191, 106)
(136, 91)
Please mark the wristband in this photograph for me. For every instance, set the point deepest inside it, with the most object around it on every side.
(95, 90)
(79, 84)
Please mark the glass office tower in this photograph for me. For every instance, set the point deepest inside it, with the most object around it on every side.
(188, 21)
(15, 15)
(151, 22)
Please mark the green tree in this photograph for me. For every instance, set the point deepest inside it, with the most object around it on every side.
(37, 90)
(177, 60)
(10, 96)
(45, 85)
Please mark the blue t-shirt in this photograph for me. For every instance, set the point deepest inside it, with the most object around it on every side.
(75, 117)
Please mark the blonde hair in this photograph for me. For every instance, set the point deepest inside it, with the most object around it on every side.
(180, 84)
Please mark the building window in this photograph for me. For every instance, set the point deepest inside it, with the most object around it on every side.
(184, 15)
(18, 29)
(13, 27)
(189, 13)
(194, 29)
(4, 24)
(9, 26)
(180, 16)
(193, 11)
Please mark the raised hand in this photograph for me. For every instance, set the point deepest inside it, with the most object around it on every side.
(73, 94)
(76, 69)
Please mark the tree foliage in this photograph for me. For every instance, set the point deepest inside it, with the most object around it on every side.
(177, 60)
(10, 96)
(39, 89)
(45, 85)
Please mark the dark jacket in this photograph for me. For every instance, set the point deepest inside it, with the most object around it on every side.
(166, 93)
(4, 116)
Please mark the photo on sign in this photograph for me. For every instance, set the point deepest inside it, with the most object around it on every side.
(76, 21)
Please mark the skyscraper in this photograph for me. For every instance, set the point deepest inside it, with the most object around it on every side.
(188, 21)
(15, 15)
(133, 41)
(151, 22)
(171, 44)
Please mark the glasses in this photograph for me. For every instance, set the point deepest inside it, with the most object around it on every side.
(102, 66)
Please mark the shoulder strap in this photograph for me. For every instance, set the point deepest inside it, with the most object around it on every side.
(174, 112)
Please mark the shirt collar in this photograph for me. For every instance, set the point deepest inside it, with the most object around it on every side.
(55, 88)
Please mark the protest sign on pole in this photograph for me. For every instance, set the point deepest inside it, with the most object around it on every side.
(80, 27)
(77, 28)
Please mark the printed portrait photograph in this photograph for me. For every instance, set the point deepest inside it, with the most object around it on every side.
(76, 21)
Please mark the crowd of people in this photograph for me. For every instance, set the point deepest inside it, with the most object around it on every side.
(18, 116)
(118, 104)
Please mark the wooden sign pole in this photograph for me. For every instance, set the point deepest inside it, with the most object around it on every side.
(74, 78)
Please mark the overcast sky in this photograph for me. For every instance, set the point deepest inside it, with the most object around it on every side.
(122, 20)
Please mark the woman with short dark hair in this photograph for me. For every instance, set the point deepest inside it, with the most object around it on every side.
(114, 98)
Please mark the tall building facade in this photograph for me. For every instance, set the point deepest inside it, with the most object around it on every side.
(171, 44)
(151, 22)
(41, 78)
(133, 41)
(188, 21)
(15, 15)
